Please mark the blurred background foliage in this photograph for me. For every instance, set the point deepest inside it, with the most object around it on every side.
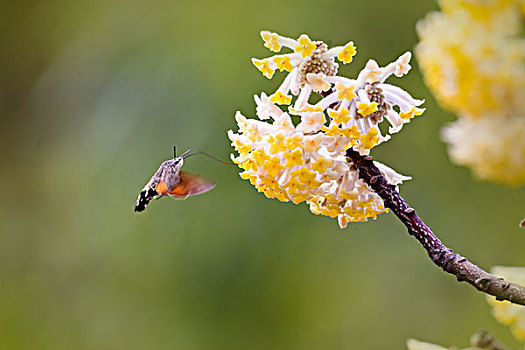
(95, 93)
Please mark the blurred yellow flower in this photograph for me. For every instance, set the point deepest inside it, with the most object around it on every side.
(505, 312)
(493, 147)
(472, 55)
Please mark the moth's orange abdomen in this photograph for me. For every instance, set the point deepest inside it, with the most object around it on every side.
(161, 188)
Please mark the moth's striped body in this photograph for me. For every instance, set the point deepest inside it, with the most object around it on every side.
(145, 196)
(170, 181)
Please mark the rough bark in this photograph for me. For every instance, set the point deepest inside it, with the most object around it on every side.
(453, 263)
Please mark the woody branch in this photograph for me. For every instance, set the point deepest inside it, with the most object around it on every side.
(440, 255)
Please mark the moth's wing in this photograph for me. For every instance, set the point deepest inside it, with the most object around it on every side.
(158, 181)
(171, 179)
(190, 185)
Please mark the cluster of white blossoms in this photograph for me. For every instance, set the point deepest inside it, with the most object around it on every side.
(296, 152)
(494, 148)
(472, 55)
(505, 312)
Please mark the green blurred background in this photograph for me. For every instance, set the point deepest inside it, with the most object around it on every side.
(94, 95)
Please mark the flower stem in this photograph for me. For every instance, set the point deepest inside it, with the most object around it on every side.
(440, 255)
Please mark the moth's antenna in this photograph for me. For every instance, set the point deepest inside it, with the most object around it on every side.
(174, 151)
(185, 155)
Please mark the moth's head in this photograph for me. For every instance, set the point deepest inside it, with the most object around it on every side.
(174, 164)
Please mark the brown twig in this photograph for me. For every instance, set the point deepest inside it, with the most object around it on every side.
(442, 256)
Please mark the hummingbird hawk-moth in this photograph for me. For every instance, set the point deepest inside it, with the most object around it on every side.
(171, 181)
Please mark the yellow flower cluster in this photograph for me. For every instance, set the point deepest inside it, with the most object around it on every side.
(472, 55)
(305, 161)
(286, 164)
(505, 312)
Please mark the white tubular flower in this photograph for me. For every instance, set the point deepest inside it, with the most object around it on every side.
(368, 99)
(265, 108)
(308, 57)
(402, 66)
(306, 162)
(505, 312)
(311, 122)
(318, 82)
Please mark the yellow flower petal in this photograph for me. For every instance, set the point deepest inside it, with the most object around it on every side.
(283, 63)
(281, 98)
(346, 55)
(306, 47)
(271, 41)
(366, 109)
(345, 92)
(264, 67)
